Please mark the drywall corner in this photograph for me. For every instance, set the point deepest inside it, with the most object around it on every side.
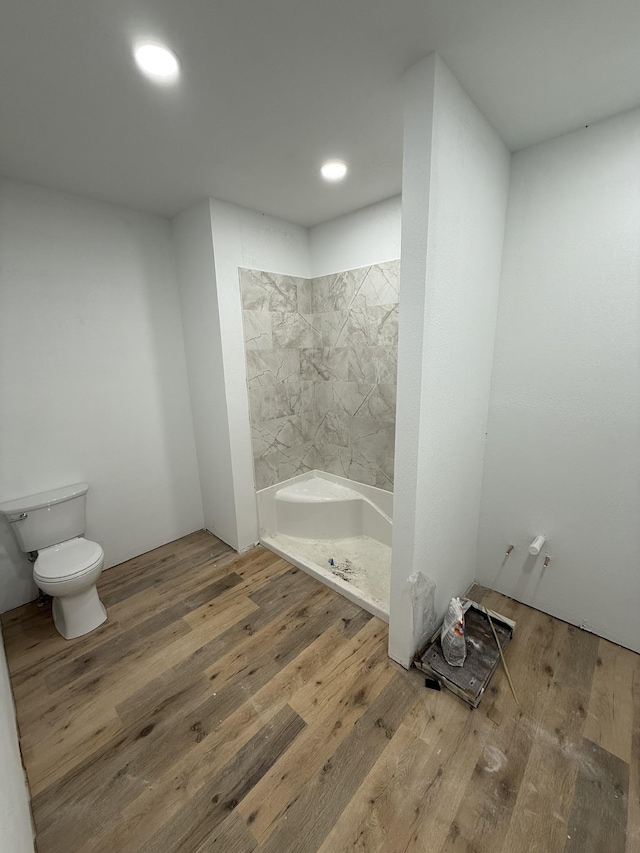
(201, 323)
(455, 185)
(371, 235)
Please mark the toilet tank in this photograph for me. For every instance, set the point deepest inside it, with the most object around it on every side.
(47, 518)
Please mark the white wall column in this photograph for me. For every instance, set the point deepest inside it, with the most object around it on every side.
(455, 184)
(203, 346)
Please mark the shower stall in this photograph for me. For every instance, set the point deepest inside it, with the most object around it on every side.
(321, 359)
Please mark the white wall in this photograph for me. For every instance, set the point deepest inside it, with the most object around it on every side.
(16, 834)
(92, 373)
(203, 346)
(371, 235)
(212, 240)
(455, 183)
(563, 448)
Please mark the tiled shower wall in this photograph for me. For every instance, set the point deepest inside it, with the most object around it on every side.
(278, 328)
(321, 367)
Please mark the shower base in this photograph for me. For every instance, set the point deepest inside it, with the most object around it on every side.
(362, 566)
(335, 530)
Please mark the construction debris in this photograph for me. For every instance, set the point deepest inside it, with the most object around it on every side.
(470, 681)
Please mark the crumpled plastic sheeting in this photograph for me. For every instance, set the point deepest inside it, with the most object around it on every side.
(420, 591)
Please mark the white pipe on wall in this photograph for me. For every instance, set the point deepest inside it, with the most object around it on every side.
(536, 545)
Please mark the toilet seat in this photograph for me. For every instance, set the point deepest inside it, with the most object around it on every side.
(68, 560)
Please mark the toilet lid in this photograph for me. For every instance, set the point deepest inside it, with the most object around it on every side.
(68, 559)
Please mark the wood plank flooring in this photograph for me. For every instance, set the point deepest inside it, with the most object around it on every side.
(234, 704)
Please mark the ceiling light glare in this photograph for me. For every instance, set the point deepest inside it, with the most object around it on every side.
(333, 170)
(157, 62)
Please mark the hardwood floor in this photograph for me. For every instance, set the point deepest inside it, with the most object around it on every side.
(235, 704)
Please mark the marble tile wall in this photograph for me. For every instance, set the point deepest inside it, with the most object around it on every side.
(321, 368)
(278, 325)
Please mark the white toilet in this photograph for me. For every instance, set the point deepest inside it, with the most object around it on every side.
(68, 566)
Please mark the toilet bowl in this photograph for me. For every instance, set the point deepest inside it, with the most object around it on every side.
(51, 525)
(69, 572)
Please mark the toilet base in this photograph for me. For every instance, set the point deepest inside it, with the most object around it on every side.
(76, 615)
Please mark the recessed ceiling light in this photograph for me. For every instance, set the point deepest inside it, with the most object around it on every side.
(333, 170)
(157, 62)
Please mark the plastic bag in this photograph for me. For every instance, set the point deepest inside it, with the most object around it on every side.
(452, 639)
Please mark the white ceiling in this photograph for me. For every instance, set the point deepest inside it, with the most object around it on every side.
(271, 88)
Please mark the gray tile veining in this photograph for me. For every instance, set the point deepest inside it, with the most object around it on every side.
(371, 437)
(373, 364)
(296, 460)
(291, 329)
(321, 370)
(265, 470)
(362, 327)
(324, 363)
(270, 367)
(308, 396)
(380, 285)
(274, 435)
(385, 318)
(334, 428)
(350, 397)
(361, 367)
(267, 291)
(347, 462)
(333, 328)
(282, 464)
(332, 293)
(324, 398)
(386, 361)
(375, 472)
(258, 331)
(305, 298)
(310, 426)
(367, 400)
(268, 402)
